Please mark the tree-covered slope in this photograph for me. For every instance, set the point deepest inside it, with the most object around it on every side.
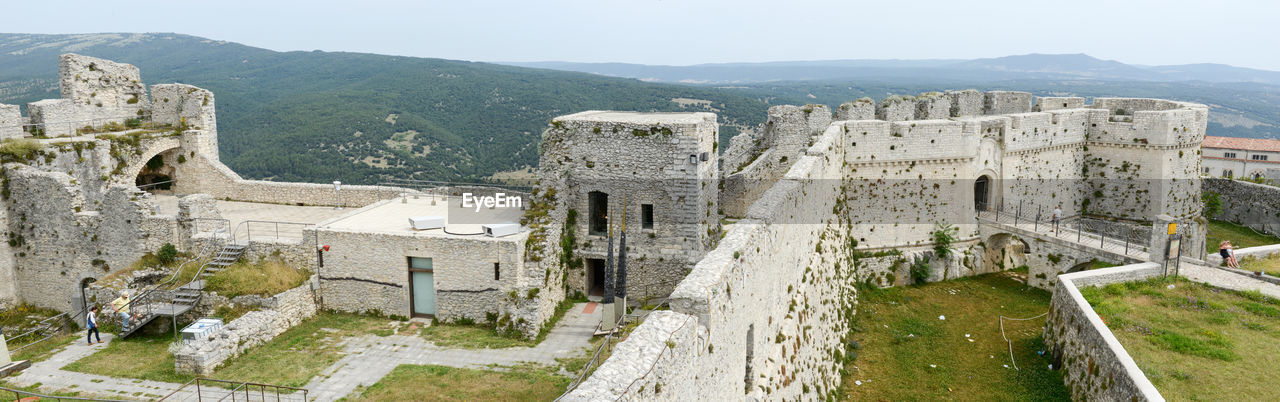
(361, 118)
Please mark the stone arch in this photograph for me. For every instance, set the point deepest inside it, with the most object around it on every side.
(151, 149)
(1083, 266)
(1005, 251)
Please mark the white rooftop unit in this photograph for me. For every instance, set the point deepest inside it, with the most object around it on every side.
(426, 222)
(501, 229)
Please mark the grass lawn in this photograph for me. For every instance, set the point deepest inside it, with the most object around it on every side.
(471, 337)
(1270, 265)
(1195, 342)
(266, 277)
(303, 351)
(440, 383)
(908, 353)
(1240, 236)
(290, 359)
(49, 347)
(144, 357)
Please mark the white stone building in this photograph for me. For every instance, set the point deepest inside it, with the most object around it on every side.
(1241, 157)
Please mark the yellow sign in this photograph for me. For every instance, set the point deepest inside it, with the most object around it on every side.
(1173, 228)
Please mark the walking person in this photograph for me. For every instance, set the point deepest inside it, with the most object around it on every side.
(121, 307)
(1057, 217)
(91, 320)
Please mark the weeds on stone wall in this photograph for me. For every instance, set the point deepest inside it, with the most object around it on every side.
(20, 150)
(944, 236)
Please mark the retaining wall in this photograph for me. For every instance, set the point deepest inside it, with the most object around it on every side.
(202, 356)
(1094, 364)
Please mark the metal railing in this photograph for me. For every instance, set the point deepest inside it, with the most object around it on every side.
(201, 389)
(75, 127)
(609, 343)
(45, 330)
(1117, 238)
(145, 302)
(267, 230)
(428, 186)
(20, 395)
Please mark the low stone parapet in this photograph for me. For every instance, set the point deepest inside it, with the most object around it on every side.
(1094, 364)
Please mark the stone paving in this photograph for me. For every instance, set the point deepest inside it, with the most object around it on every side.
(1229, 280)
(49, 375)
(237, 212)
(368, 359)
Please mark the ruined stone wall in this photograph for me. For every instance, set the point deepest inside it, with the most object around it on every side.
(788, 130)
(369, 272)
(762, 315)
(1094, 364)
(860, 109)
(10, 121)
(179, 104)
(94, 92)
(289, 308)
(1249, 204)
(61, 236)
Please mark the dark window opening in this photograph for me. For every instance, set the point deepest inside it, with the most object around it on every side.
(497, 273)
(598, 207)
(646, 216)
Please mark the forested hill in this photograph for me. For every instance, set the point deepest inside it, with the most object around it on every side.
(361, 118)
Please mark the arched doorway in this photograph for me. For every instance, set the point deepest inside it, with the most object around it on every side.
(982, 193)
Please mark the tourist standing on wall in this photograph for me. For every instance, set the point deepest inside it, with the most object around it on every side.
(121, 307)
(91, 320)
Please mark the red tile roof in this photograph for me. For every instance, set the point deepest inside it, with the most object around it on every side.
(1248, 144)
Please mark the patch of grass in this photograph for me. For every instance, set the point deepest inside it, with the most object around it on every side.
(900, 336)
(1101, 264)
(1269, 264)
(140, 356)
(116, 278)
(42, 351)
(266, 277)
(1240, 236)
(303, 351)
(19, 149)
(471, 337)
(440, 383)
(1195, 342)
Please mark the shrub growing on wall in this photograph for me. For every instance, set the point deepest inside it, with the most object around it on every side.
(1212, 204)
(943, 237)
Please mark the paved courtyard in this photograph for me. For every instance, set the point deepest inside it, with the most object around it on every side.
(260, 216)
(368, 359)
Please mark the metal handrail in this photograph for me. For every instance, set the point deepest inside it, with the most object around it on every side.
(249, 233)
(238, 385)
(143, 301)
(45, 325)
(1117, 241)
(595, 357)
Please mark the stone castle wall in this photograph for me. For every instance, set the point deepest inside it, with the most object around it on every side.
(1249, 204)
(666, 161)
(94, 92)
(11, 121)
(762, 314)
(1094, 364)
(786, 133)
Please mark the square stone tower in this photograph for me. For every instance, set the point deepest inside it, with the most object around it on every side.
(659, 170)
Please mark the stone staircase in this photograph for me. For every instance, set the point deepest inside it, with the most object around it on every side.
(185, 297)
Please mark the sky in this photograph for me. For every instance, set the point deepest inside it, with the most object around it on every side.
(1241, 33)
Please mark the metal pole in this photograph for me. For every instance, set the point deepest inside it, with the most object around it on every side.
(277, 230)
(198, 397)
(1017, 214)
(1128, 233)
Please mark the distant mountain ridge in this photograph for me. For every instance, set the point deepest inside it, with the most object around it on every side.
(1028, 66)
(363, 118)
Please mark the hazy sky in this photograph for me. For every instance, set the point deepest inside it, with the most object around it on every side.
(1242, 33)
